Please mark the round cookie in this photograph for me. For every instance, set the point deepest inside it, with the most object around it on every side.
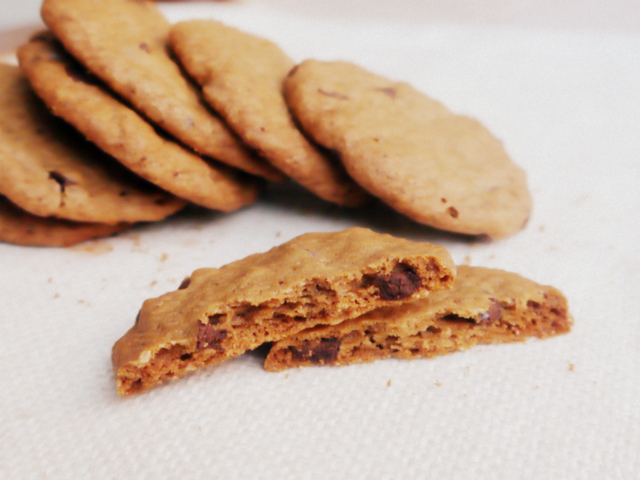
(78, 98)
(47, 169)
(124, 43)
(242, 77)
(438, 168)
(22, 228)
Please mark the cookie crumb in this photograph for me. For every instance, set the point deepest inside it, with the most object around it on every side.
(389, 383)
(572, 367)
(437, 383)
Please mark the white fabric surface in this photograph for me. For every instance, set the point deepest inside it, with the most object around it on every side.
(566, 105)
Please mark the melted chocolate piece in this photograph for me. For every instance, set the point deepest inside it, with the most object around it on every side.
(325, 352)
(61, 180)
(389, 91)
(493, 314)
(209, 337)
(401, 283)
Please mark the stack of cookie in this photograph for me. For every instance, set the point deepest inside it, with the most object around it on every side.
(203, 113)
(332, 299)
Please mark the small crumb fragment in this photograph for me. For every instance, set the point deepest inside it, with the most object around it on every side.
(153, 283)
(389, 383)
(437, 383)
(571, 367)
(163, 257)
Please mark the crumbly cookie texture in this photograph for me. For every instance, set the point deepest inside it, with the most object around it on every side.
(124, 43)
(242, 77)
(79, 98)
(484, 306)
(49, 170)
(441, 169)
(316, 278)
(22, 228)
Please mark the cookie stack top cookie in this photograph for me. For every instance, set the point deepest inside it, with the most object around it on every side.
(438, 168)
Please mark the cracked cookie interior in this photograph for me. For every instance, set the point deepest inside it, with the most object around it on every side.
(317, 278)
(484, 306)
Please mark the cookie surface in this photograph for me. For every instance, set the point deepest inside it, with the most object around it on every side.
(48, 169)
(82, 101)
(241, 76)
(22, 228)
(438, 168)
(315, 278)
(484, 306)
(124, 43)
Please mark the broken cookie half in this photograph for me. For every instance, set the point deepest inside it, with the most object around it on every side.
(317, 278)
(484, 306)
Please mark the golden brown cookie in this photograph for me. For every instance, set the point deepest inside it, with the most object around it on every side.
(484, 306)
(241, 76)
(48, 169)
(316, 278)
(22, 228)
(81, 100)
(124, 43)
(438, 168)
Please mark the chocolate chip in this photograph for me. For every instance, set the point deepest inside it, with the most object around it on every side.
(337, 95)
(324, 352)
(492, 315)
(292, 71)
(390, 92)
(402, 282)
(216, 318)
(61, 180)
(144, 46)
(185, 283)
(453, 211)
(209, 337)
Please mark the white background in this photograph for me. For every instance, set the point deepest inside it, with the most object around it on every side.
(559, 83)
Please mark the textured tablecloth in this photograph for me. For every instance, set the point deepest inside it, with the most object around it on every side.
(564, 101)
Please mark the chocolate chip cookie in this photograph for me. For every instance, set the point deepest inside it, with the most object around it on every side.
(317, 278)
(22, 228)
(124, 43)
(80, 98)
(49, 170)
(484, 306)
(441, 169)
(242, 76)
